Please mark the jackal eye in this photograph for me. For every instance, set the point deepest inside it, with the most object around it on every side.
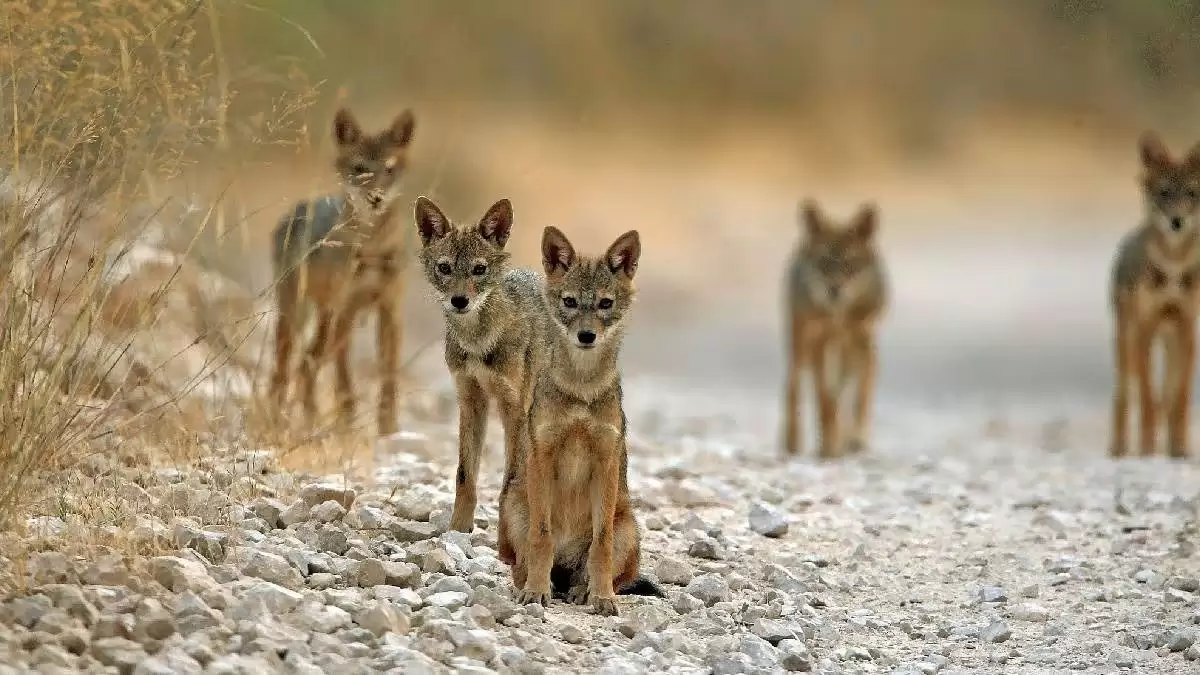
(361, 170)
(1157, 277)
(1164, 193)
(570, 303)
(444, 268)
(479, 270)
(605, 303)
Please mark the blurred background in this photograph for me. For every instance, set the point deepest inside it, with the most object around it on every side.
(997, 136)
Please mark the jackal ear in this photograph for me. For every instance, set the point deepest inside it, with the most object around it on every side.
(1192, 159)
(1154, 152)
(432, 224)
(557, 253)
(866, 221)
(496, 224)
(401, 132)
(622, 256)
(345, 128)
(811, 218)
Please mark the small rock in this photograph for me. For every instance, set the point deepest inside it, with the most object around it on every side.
(673, 571)
(451, 600)
(408, 531)
(1030, 611)
(255, 562)
(1189, 584)
(1180, 639)
(318, 493)
(772, 631)
(644, 619)
(709, 589)
(796, 657)
(767, 520)
(328, 511)
(572, 634)
(995, 632)
(992, 594)
(382, 617)
(707, 548)
(117, 652)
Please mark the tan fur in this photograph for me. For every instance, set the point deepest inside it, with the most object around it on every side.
(1155, 293)
(495, 320)
(568, 508)
(836, 295)
(343, 254)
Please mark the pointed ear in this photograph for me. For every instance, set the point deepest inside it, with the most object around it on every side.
(557, 253)
(1192, 159)
(1154, 153)
(432, 224)
(496, 224)
(345, 128)
(812, 218)
(622, 256)
(401, 132)
(866, 221)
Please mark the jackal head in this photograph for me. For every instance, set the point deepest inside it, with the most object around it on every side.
(1171, 188)
(588, 298)
(369, 165)
(840, 255)
(463, 264)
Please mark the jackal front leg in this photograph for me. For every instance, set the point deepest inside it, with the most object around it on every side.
(604, 488)
(472, 425)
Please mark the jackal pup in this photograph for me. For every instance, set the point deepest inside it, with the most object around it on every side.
(568, 511)
(837, 291)
(495, 323)
(342, 254)
(1154, 294)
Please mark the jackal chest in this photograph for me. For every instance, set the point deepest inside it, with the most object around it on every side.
(577, 437)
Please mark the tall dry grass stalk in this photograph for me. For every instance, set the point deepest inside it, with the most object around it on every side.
(103, 325)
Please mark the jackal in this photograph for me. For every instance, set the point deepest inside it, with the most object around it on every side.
(1154, 294)
(568, 510)
(837, 292)
(343, 254)
(495, 322)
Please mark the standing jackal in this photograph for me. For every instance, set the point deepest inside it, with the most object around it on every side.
(342, 254)
(495, 319)
(836, 294)
(1154, 293)
(567, 510)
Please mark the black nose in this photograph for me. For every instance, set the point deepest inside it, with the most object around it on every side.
(459, 301)
(833, 292)
(586, 337)
(1176, 223)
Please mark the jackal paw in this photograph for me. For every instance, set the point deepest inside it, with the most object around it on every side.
(1118, 449)
(605, 606)
(531, 596)
(855, 446)
(1177, 452)
(578, 595)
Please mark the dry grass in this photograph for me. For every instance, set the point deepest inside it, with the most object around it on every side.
(113, 336)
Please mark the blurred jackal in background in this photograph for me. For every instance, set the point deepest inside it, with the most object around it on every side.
(836, 294)
(1153, 290)
(341, 254)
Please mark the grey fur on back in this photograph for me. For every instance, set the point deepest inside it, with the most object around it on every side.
(308, 223)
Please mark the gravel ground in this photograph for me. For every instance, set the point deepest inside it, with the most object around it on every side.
(985, 545)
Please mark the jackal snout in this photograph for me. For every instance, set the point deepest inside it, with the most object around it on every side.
(463, 265)
(588, 300)
(370, 164)
(1171, 188)
(841, 255)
